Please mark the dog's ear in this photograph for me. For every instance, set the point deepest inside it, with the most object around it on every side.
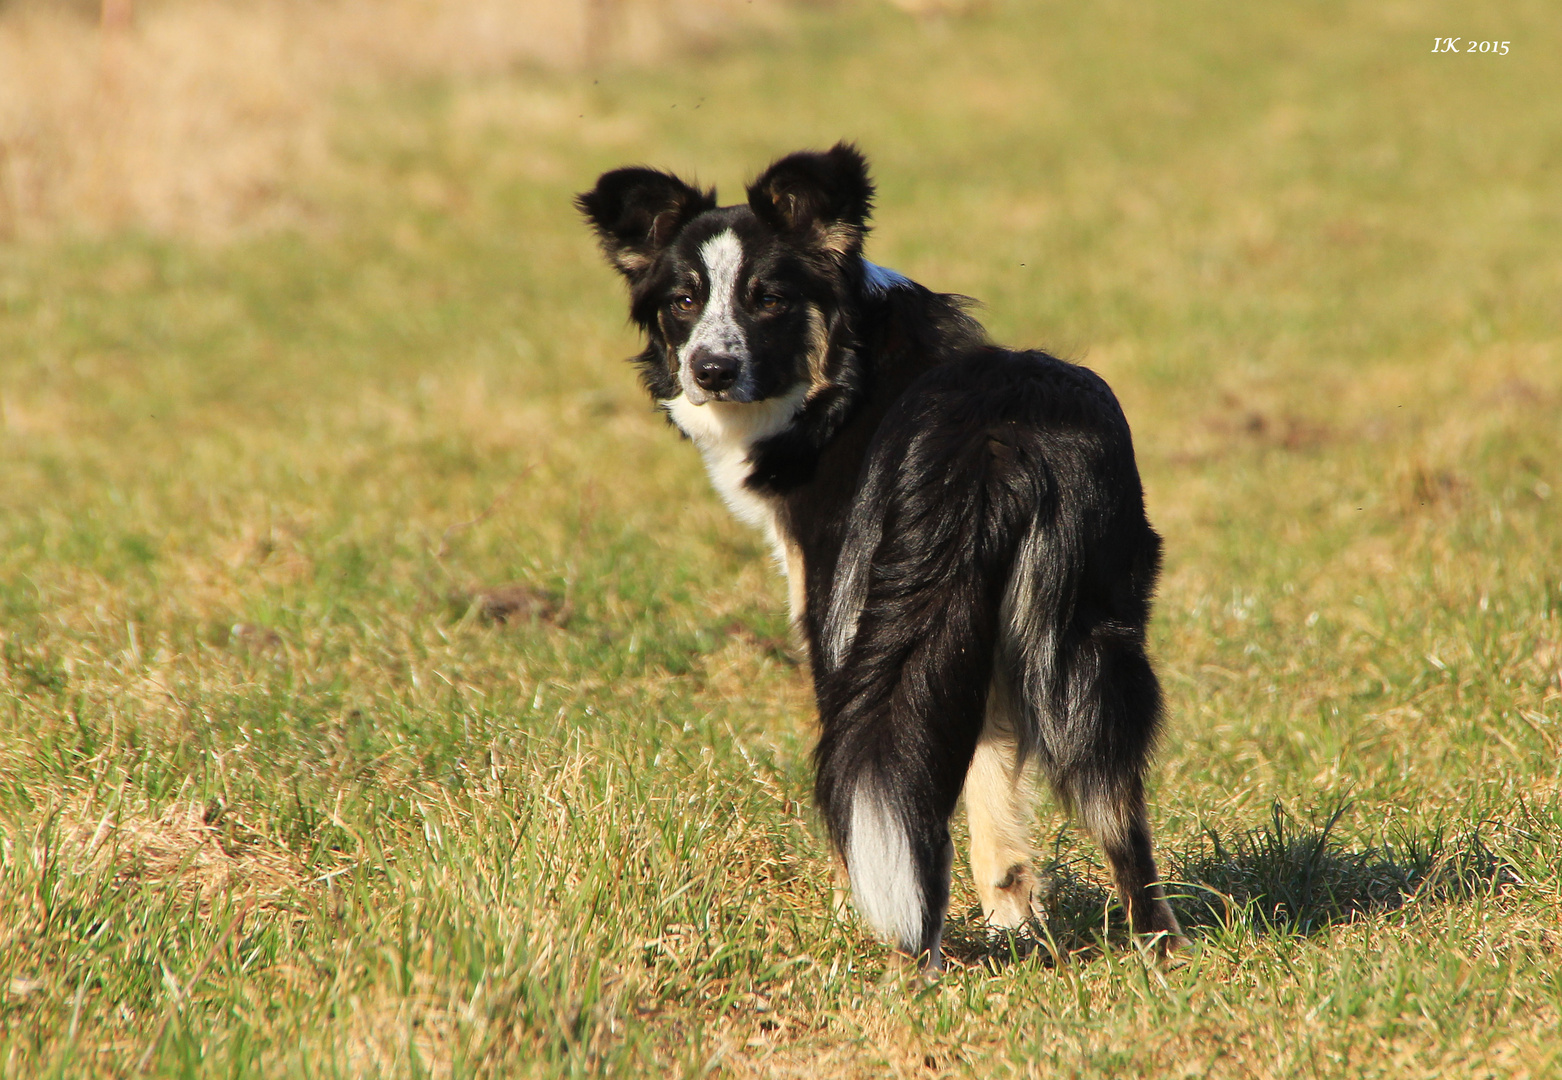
(637, 212)
(827, 195)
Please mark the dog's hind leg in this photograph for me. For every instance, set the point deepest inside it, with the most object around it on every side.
(1114, 812)
(999, 806)
(1117, 705)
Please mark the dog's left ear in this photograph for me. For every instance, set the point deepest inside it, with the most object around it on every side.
(636, 213)
(824, 196)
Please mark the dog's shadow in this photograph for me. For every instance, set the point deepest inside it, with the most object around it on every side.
(1282, 877)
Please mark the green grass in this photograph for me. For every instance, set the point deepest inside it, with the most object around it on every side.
(277, 798)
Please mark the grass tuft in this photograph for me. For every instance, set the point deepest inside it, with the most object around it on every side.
(1292, 878)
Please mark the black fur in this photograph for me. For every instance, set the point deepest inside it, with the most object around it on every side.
(637, 211)
(967, 517)
(805, 194)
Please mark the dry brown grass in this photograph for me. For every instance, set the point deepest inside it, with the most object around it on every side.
(201, 115)
(199, 850)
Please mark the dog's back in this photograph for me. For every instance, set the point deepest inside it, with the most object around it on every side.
(988, 609)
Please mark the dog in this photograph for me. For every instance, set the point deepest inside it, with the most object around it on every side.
(961, 526)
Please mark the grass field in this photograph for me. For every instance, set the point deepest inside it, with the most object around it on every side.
(384, 693)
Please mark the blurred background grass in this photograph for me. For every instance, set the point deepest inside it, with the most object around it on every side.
(385, 692)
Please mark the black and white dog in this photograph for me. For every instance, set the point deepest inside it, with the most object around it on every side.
(962, 527)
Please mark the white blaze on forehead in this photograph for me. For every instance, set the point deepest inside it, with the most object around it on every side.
(717, 328)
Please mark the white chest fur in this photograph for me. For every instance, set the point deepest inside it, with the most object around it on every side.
(726, 433)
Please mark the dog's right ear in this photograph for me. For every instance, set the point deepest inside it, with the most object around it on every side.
(637, 212)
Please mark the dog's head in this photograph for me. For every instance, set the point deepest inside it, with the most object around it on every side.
(740, 302)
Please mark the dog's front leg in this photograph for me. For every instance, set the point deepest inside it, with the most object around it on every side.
(999, 802)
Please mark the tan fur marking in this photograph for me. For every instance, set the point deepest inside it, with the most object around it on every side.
(841, 887)
(797, 590)
(631, 262)
(839, 238)
(998, 806)
(818, 351)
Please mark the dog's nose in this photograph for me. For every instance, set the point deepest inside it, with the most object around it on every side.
(715, 373)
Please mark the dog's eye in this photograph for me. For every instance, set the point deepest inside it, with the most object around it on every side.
(770, 302)
(681, 302)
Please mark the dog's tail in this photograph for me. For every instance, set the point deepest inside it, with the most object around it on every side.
(906, 651)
